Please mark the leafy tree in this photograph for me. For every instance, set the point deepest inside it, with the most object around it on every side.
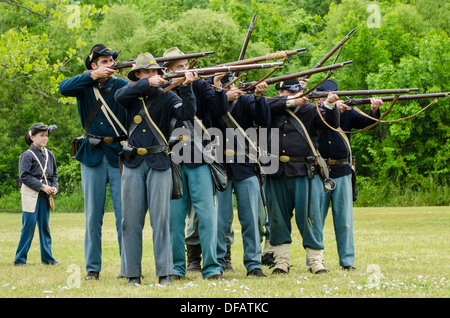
(38, 42)
(396, 44)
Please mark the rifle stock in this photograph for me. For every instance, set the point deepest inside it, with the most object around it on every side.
(363, 101)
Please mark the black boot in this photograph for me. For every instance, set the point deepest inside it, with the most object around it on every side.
(194, 258)
(228, 266)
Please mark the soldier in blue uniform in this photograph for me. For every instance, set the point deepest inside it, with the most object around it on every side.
(99, 152)
(245, 112)
(335, 148)
(146, 176)
(296, 185)
(211, 104)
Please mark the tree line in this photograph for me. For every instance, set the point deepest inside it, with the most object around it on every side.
(395, 45)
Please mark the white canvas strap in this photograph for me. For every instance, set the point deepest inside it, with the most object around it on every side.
(108, 112)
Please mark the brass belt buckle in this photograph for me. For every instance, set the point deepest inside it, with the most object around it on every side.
(285, 158)
(331, 162)
(108, 140)
(229, 152)
(141, 151)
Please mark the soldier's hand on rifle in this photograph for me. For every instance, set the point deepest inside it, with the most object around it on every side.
(342, 107)
(304, 82)
(300, 101)
(295, 100)
(103, 72)
(190, 77)
(217, 78)
(156, 81)
(375, 103)
(261, 88)
(234, 93)
(332, 98)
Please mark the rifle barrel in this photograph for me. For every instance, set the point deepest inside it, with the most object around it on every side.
(299, 74)
(247, 37)
(332, 51)
(221, 69)
(362, 101)
(183, 56)
(127, 64)
(363, 92)
(271, 56)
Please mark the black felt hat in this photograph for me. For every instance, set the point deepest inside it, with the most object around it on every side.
(292, 85)
(99, 50)
(35, 128)
(327, 86)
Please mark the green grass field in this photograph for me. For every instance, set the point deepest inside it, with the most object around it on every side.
(400, 253)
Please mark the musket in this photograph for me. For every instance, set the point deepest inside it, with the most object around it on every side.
(273, 80)
(128, 64)
(363, 92)
(168, 58)
(221, 69)
(271, 56)
(363, 101)
(247, 38)
(332, 51)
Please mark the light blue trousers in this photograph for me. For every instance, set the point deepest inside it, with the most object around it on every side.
(198, 190)
(146, 188)
(40, 216)
(286, 194)
(247, 199)
(94, 181)
(342, 208)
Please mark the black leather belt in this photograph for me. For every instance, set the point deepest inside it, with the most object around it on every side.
(106, 140)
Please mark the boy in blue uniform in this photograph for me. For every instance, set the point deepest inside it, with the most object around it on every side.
(99, 152)
(39, 178)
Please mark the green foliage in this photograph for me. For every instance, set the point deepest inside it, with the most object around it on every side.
(43, 42)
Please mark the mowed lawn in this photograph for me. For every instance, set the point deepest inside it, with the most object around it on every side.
(400, 253)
